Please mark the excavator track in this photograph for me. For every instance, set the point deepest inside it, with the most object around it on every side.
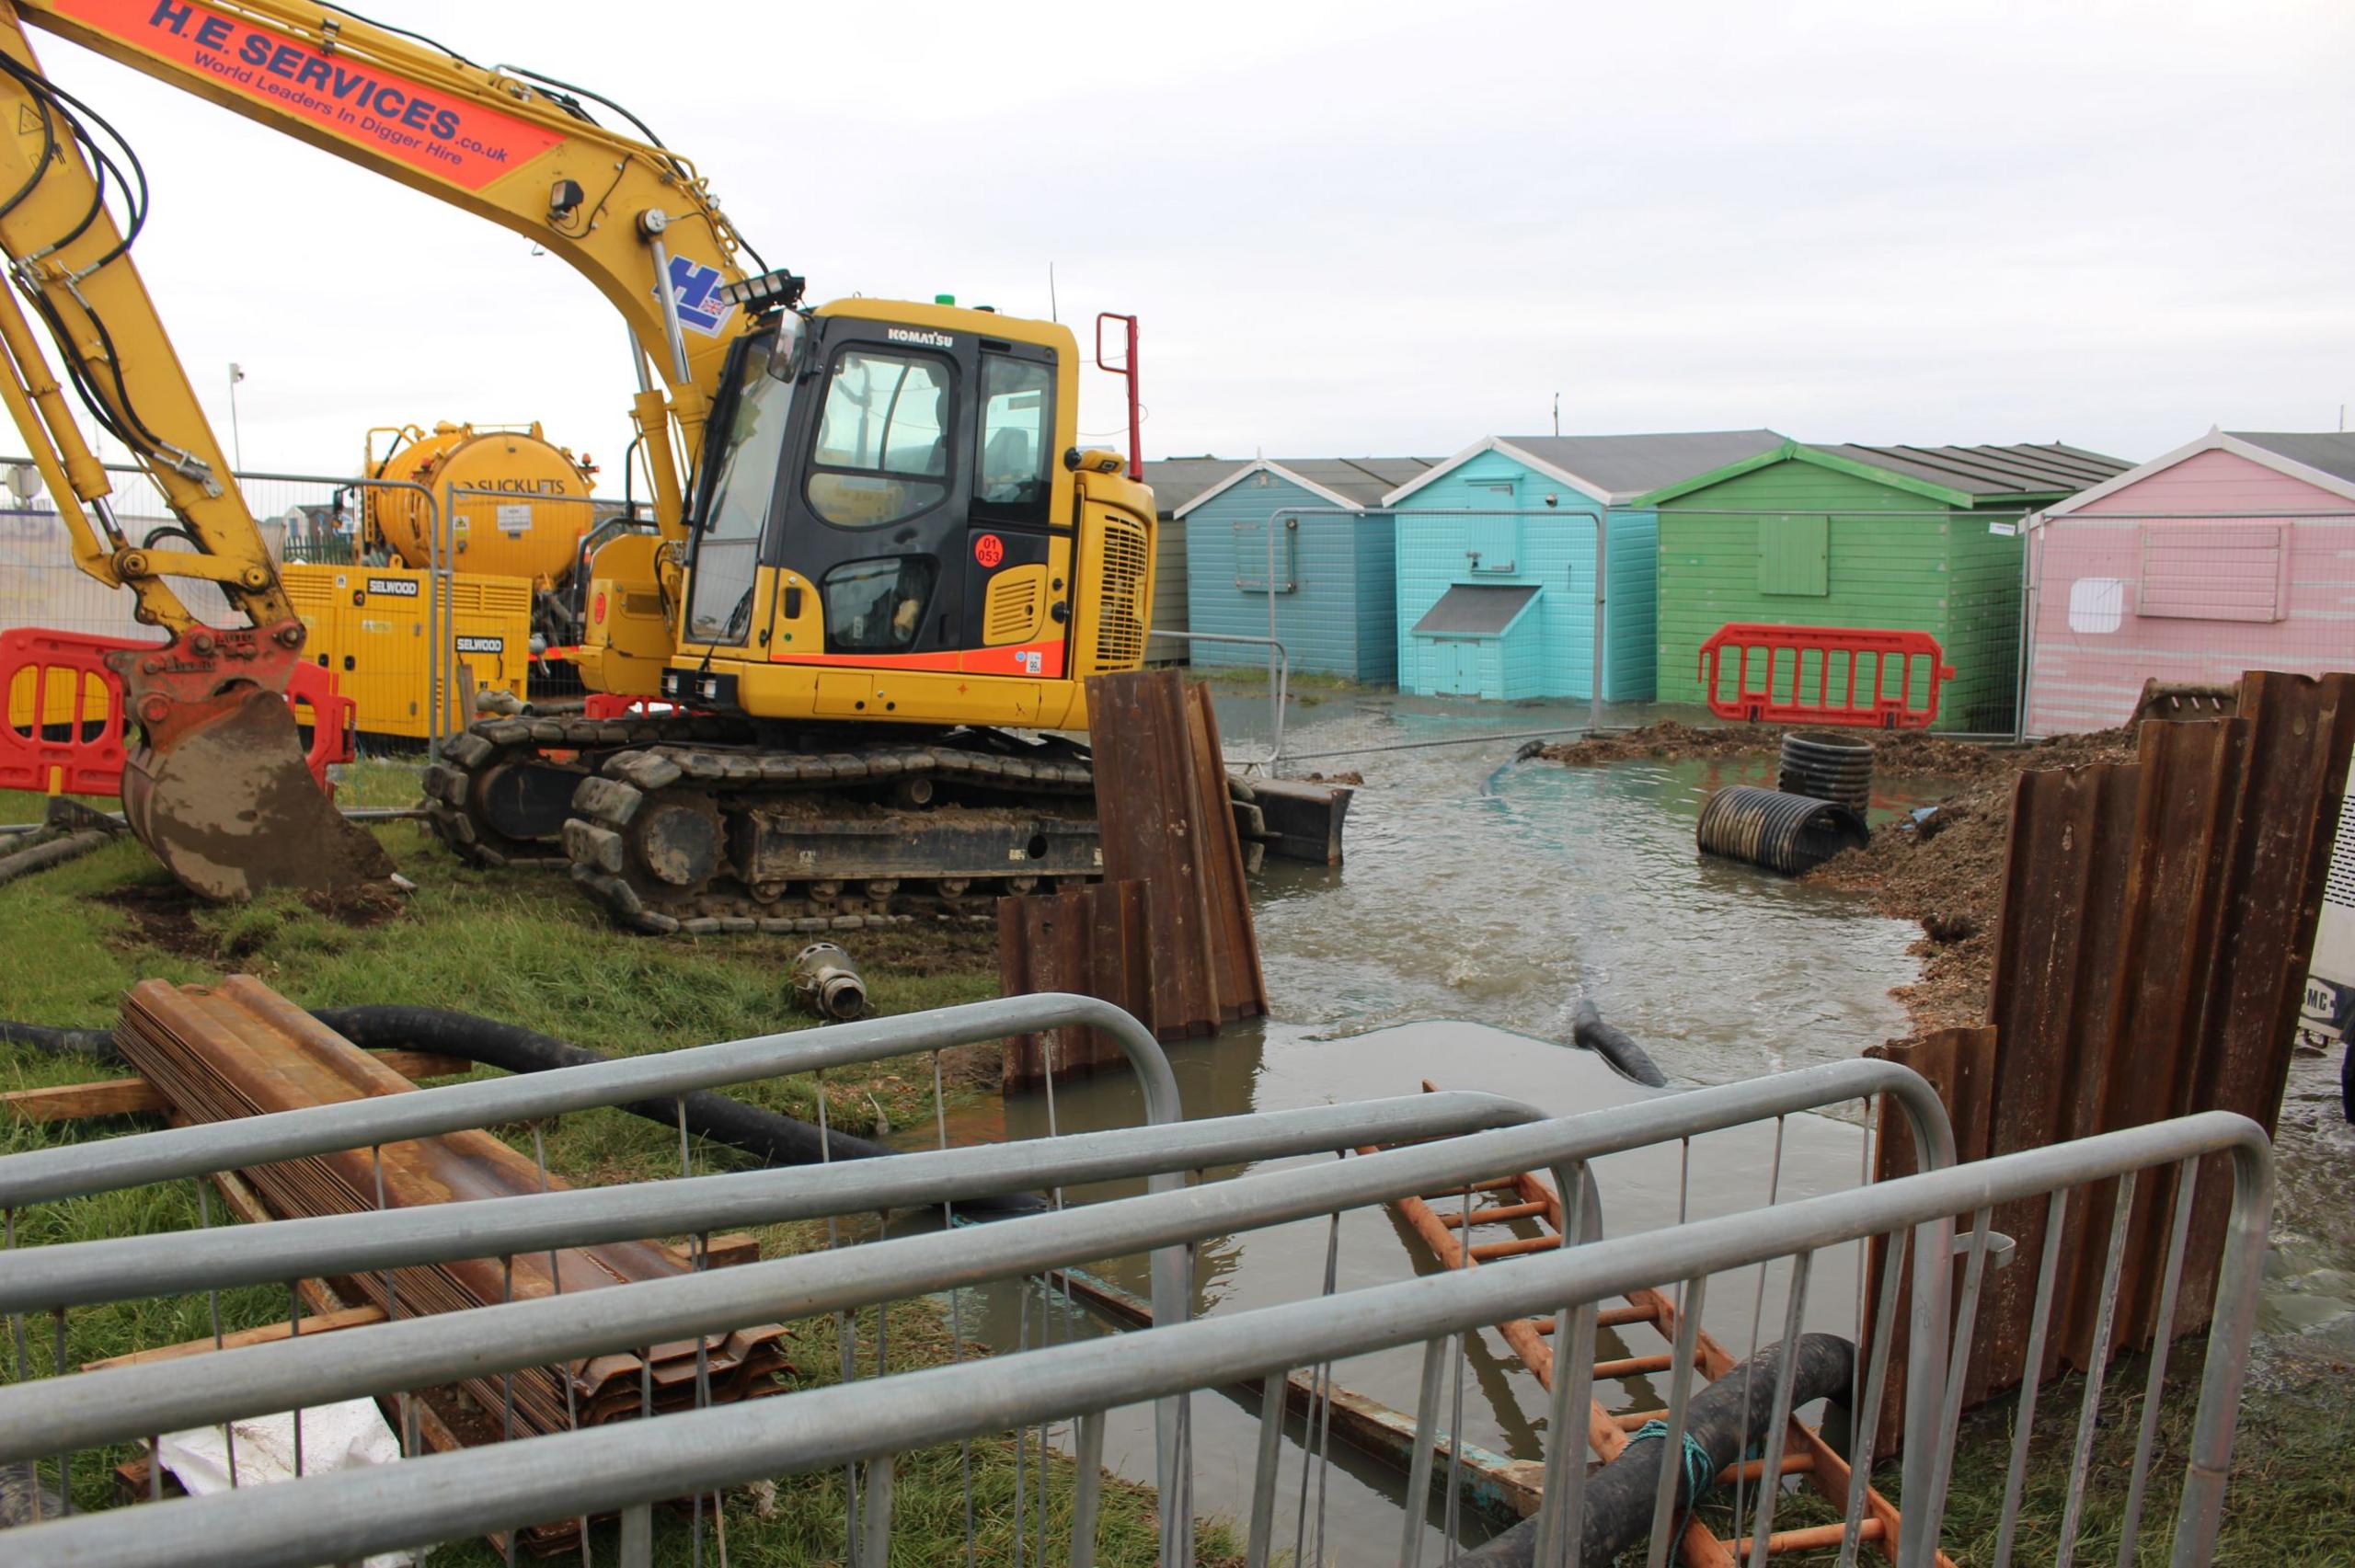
(702, 824)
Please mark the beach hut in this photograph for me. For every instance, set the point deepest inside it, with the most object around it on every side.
(2236, 552)
(1176, 481)
(1301, 541)
(1497, 561)
(1914, 538)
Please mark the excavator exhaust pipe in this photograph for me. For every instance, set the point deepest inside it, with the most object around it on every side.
(219, 789)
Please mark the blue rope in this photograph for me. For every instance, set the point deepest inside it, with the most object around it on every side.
(1700, 1470)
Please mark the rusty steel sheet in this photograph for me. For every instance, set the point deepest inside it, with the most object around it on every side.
(1165, 819)
(2156, 922)
(1960, 1064)
(1091, 940)
(240, 1050)
(1234, 940)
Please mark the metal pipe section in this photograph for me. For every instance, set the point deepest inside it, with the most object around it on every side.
(38, 1279)
(1281, 673)
(58, 1415)
(351, 1512)
(44, 1176)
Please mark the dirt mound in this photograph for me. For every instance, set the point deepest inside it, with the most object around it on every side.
(1667, 739)
(1900, 752)
(1946, 872)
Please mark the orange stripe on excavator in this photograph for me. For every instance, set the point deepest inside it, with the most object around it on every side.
(1007, 661)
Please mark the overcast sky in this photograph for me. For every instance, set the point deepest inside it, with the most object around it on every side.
(1369, 228)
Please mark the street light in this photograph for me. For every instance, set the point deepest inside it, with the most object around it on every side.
(236, 440)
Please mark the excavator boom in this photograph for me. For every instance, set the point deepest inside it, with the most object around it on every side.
(218, 788)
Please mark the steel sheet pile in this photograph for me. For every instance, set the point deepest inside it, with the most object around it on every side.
(240, 1050)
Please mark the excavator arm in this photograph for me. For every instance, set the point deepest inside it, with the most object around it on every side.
(501, 142)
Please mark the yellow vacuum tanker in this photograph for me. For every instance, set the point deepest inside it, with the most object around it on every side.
(519, 503)
(519, 508)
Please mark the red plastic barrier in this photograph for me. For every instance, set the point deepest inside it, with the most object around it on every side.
(60, 752)
(1855, 676)
(335, 719)
(74, 753)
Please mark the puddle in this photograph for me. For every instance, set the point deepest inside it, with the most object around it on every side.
(1498, 894)
(1283, 1066)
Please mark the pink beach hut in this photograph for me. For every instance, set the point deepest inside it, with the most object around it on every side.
(2236, 552)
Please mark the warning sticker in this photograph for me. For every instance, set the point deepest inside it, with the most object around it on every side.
(359, 103)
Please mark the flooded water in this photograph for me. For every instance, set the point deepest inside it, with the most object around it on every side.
(1482, 899)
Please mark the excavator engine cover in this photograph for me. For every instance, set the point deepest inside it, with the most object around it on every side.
(219, 789)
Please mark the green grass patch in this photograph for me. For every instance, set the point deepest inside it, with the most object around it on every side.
(526, 948)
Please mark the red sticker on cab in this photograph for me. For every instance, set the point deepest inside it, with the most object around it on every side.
(989, 549)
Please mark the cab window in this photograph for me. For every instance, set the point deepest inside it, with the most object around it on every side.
(883, 439)
(736, 502)
(877, 606)
(1013, 481)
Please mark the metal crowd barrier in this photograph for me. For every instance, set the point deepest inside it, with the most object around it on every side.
(342, 1515)
(59, 1416)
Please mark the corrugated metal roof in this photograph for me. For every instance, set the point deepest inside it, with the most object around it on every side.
(1475, 610)
(2332, 452)
(1363, 480)
(1176, 480)
(1629, 466)
(2042, 468)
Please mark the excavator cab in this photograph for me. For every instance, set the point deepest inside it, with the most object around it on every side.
(893, 521)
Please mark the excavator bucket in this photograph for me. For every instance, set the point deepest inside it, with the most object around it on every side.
(221, 791)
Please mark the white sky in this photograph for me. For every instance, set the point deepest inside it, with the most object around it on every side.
(1371, 228)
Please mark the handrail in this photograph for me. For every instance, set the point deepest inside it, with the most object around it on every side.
(227, 1385)
(348, 1513)
(43, 1175)
(72, 1274)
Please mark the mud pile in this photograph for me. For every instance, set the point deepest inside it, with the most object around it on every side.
(1946, 872)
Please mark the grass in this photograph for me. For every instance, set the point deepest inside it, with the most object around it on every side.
(521, 947)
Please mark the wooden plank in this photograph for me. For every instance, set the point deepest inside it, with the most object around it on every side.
(269, 1333)
(128, 1096)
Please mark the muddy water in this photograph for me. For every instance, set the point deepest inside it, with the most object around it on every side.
(1496, 895)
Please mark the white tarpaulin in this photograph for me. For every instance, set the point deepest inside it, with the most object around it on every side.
(335, 1437)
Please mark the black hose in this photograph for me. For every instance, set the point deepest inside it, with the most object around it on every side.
(1631, 1059)
(1724, 1421)
(97, 1044)
(771, 1139)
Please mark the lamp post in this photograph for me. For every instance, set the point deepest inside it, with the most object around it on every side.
(236, 440)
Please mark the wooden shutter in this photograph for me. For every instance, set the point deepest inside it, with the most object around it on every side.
(1794, 556)
(2230, 571)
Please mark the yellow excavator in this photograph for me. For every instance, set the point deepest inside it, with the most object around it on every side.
(882, 561)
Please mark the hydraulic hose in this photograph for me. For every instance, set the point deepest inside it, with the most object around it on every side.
(771, 1139)
(1632, 1060)
(1724, 1422)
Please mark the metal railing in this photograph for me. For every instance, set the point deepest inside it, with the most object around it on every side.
(1279, 683)
(200, 1150)
(343, 1515)
(53, 1416)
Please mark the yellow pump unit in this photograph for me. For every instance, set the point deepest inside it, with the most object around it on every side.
(518, 504)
